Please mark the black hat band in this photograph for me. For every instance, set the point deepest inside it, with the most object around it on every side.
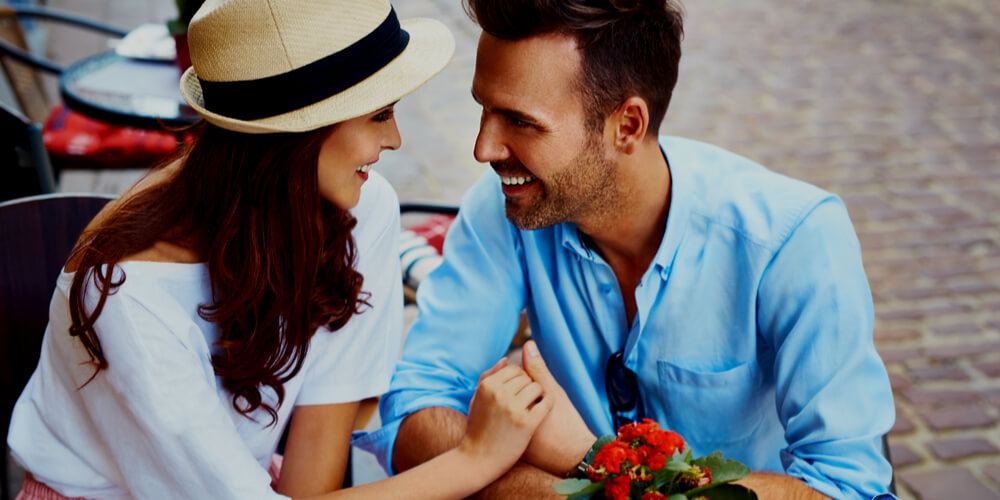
(312, 83)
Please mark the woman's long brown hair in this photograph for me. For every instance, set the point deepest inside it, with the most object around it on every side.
(280, 257)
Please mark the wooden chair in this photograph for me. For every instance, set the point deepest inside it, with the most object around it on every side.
(24, 71)
(76, 134)
(37, 234)
(25, 169)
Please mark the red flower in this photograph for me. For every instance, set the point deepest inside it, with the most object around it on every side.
(653, 495)
(612, 455)
(696, 477)
(676, 441)
(632, 457)
(594, 474)
(643, 474)
(656, 462)
(651, 457)
(636, 430)
(665, 441)
(618, 488)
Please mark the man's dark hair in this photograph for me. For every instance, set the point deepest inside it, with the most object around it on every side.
(628, 47)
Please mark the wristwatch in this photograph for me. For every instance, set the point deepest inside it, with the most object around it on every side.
(581, 469)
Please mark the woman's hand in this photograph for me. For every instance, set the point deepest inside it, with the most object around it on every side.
(507, 408)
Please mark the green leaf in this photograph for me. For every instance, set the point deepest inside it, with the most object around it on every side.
(663, 477)
(589, 492)
(724, 470)
(678, 463)
(677, 466)
(677, 496)
(578, 488)
(722, 492)
(572, 486)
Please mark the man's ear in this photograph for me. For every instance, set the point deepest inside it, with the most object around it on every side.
(629, 124)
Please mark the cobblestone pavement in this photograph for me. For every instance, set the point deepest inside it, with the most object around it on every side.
(891, 104)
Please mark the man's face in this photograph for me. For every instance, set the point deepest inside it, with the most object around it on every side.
(533, 131)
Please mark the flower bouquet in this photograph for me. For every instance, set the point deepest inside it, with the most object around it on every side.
(645, 462)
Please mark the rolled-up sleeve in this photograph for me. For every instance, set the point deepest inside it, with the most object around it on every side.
(469, 309)
(832, 389)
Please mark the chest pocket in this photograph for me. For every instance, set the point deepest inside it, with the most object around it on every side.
(711, 407)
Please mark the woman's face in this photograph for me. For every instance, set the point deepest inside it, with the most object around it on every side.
(347, 154)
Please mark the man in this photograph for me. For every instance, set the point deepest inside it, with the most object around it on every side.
(664, 278)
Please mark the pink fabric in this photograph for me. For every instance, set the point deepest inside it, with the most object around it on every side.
(275, 469)
(33, 489)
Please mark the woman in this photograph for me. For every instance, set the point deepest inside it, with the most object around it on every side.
(253, 282)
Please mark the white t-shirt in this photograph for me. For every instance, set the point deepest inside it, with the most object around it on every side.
(157, 423)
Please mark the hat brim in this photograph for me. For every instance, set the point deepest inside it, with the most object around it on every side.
(430, 48)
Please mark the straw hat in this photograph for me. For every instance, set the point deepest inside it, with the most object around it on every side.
(262, 66)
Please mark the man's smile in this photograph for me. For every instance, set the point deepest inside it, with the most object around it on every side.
(516, 180)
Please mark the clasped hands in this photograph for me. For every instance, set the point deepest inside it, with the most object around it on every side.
(524, 414)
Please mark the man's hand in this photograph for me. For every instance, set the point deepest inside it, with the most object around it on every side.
(563, 439)
(432, 431)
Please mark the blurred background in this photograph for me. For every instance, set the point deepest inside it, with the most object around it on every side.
(892, 104)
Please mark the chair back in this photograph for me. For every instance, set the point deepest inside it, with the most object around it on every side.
(25, 169)
(37, 235)
(25, 80)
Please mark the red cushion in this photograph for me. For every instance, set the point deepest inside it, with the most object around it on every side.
(434, 230)
(74, 139)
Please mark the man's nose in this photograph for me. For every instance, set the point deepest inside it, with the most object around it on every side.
(489, 143)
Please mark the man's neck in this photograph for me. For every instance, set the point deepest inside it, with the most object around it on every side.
(630, 235)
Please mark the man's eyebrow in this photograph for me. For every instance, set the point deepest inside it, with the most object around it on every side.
(509, 113)
(516, 115)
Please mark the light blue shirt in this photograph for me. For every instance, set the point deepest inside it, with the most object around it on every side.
(753, 331)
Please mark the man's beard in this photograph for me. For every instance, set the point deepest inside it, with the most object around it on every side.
(587, 185)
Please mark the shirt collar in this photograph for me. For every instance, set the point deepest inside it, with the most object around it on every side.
(682, 196)
(571, 241)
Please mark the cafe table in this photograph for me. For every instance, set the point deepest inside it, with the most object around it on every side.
(127, 91)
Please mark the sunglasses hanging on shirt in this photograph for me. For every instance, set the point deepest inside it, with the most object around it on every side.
(622, 387)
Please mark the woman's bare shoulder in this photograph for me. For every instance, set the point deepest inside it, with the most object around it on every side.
(161, 251)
